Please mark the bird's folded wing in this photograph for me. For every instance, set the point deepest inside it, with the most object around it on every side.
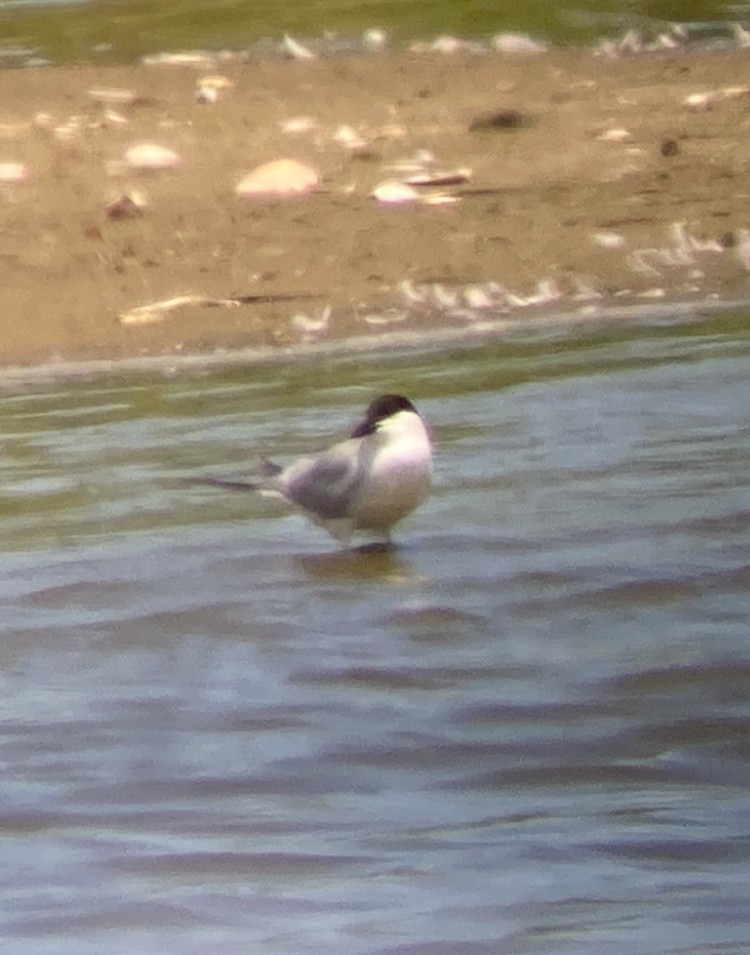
(326, 484)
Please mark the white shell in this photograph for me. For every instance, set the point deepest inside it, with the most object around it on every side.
(293, 48)
(113, 118)
(615, 136)
(209, 88)
(298, 124)
(608, 240)
(375, 40)
(282, 177)
(700, 101)
(196, 58)
(393, 192)
(440, 199)
(517, 43)
(452, 177)
(448, 45)
(411, 294)
(477, 297)
(215, 81)
(414, 164)
(68, 131)
(349, 138)
(443, 297)
(113, 96)
(150, 157)
(391, 317)
(311, 328)
(206, 94)
(43, 120)
(13, 172)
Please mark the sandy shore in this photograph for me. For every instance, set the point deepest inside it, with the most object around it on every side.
(604, 184)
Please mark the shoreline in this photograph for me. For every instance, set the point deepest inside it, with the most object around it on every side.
(400, 344)
(604, 182)
(51, 34)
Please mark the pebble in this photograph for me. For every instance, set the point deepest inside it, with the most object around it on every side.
(129, 205)
(501, 119)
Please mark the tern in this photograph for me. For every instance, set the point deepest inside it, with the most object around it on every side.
(364, 484)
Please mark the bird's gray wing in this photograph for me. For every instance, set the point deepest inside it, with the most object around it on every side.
(325, 484)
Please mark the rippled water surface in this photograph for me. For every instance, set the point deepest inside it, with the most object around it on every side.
(526, 731)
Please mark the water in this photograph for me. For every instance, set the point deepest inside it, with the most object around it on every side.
(526, 731)
(123, 30)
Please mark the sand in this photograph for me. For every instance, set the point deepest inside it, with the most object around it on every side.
(598, 160)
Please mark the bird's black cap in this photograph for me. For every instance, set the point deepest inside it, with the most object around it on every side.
(378, 410)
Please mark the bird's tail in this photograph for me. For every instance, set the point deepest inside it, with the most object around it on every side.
(268, 470)
(220, 482)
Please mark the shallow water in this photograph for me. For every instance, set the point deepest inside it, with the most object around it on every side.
(526, 731)
(123, 30)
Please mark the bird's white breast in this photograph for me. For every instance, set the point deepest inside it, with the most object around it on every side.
(399, 472)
